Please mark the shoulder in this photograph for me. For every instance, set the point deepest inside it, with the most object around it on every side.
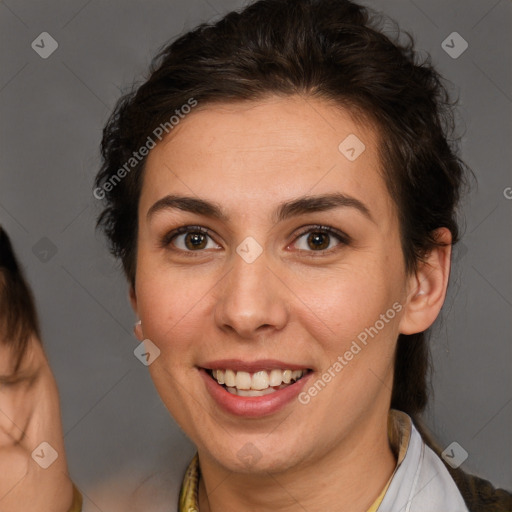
(480, 495)
(421, 482)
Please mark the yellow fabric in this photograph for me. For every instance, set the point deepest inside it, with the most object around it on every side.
(378, 501)
(77, 500)
(399, 434)
(189, 487)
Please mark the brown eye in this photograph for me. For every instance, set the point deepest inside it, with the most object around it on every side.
(195, 240)
(321, 239)
(189, 239)
(318, 240)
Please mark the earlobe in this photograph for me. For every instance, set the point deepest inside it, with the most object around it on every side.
(137, 327)
(427, 287)
(137, 330)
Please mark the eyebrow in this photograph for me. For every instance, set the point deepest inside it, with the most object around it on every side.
(286, 210)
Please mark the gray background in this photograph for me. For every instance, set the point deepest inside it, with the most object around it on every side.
(52, 114)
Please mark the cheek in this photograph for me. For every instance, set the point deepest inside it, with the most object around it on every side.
(347, 300)
(170, 305)
(359, 313)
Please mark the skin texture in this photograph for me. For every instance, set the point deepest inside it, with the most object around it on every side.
(293, 303)
(30, 415)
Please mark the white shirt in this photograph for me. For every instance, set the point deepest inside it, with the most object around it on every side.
(421, 482)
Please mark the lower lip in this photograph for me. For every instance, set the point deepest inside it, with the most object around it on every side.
(252, 406)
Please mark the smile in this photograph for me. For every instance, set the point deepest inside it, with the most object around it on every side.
(254, 389)
(260, 383)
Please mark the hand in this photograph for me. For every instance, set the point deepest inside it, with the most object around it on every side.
(29, 416)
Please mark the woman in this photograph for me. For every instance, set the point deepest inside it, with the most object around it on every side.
(292, 128)
(282, 194)
(32, 455)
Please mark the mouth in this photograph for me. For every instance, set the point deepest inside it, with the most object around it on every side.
(254, 384)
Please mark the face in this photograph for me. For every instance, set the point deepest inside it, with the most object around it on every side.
(312, 285)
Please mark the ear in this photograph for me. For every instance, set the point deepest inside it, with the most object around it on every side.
(426, 288)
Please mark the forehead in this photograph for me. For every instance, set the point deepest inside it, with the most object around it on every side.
(267, 151)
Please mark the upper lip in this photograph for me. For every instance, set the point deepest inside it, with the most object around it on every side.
(252, 366)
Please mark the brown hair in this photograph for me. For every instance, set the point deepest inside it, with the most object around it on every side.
(18, 316)
(330, 49)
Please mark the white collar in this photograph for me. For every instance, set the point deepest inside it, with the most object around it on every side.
(421, 482)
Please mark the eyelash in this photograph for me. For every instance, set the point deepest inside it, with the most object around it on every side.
(342, 237)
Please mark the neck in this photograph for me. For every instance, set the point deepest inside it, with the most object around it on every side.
(348, 478)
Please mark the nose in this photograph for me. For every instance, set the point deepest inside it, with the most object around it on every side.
(252, 300)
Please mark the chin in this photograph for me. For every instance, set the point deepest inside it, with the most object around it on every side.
(256, 457)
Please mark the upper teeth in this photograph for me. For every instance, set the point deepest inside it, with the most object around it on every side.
(259, 380)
